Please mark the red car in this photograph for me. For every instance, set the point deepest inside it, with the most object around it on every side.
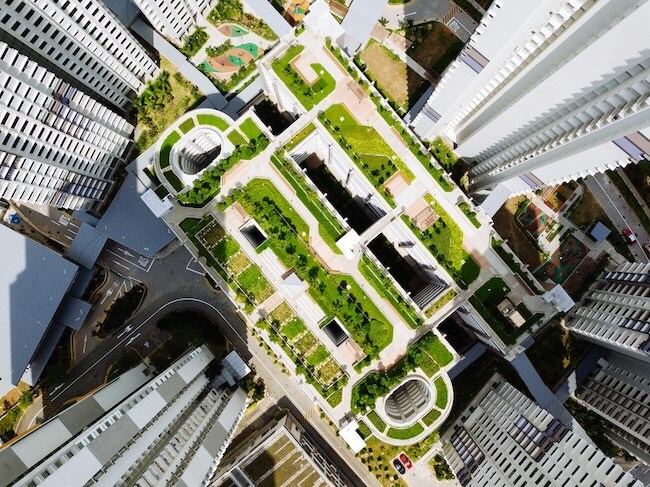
(405, 460)
(629, 236)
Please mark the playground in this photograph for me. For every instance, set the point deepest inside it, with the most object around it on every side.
(556, 197)
(534, 220)
(224, 66)
(232, 30)
(563, 262)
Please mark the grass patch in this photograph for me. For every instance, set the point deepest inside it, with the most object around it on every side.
(363, 430)
(300, 136)
(176, 183)
(405, 433)
(193, 42)
(166, 148)
(236, 137)
(441, 393)
(514, 266)
(337, 294)
(431, 417)
(469, 213)
(318, 356)
(163, 101)
(329, 227)
(254, 283)
(335, 398)
(186, 126)
(437, 305)
(376, 421)
(213, 121)
(386, 289)
(307, 95)
(293, 328)
(250, 129)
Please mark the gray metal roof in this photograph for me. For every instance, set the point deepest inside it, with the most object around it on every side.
(86, 246)
(359, 22)
(129, 221)
(33, 282)
(264, 10)
(72, 312)
(599, 232)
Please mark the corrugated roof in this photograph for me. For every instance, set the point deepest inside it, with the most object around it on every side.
(359, 22)
(129, 221)
(72, 312)
(86, 246)
(264, 10)
(33, 282)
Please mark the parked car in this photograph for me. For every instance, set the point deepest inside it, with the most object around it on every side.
(399, 467)
(629, 236)
(405, 460)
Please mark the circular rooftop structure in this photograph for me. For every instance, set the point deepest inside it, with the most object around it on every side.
(197, 150)
(409, 401)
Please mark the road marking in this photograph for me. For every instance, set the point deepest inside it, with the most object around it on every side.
(145, 269)
(35, 417)
(122, 265)
(179, 300)
(85, 341)
(193, 270)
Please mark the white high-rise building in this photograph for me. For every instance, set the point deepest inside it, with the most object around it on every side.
(505, 439)
(174, 18)
(82, 42)
(171, 431)
(615, 312)
(58, 146)
(544, 92)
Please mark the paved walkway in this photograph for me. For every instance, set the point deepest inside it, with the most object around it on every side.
(187, 69)
(617, 209)
(32, 416)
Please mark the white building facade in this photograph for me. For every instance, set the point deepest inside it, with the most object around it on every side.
(545, 92)
(615, 312)
(83, 42)
(174, 18)
(505, 439)
(58, 146)
(172, 431)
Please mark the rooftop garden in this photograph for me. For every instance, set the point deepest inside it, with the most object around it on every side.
(232, 11)
(444, 239)
(308, 95)
(365, 146)
(193, 42)
(300, 136)
(329, 227)
(337, 294)
(428, 353)
(485, 301)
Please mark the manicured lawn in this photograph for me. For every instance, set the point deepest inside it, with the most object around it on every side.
(444, 239)
(187, 125)
(437, 351)
(386, 289)
(176, 183)
(281, 313)
(225, 249)
(335, 398)
(236, 137)
(376, 421)
(470, 214)
(213, 120)
(166, 148)
(431, 417)
(364, 431)
(307, 95)
(329, 227)
(318, 356)
(253, 282)
(293, 328)
(440, 302)
(441, 393)
(250, 129)
(337, 294)
(405, 433)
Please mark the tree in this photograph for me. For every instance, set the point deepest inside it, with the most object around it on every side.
(383, 21)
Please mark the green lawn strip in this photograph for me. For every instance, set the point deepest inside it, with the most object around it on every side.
(335, 398)
(630, 199)
(405, 433)
(307, 95)
(431, 417)
(361, 141)
(318, 356)
(337, 295)
(329, 227)
(444, 239)
(188, 224)
(437, 351)
(364, 431)
(209, 184)
(485, 300)
(386, 289)
(300, 136)
(442, 395)
(437, 305)
(376, 384)
(471, 215)
(176, 183)
(187, 125)
(225, 249)
(213, 121)
(292, 328)
(376, 421)
(250, 129)
(236, 137)
(281, 313)
(514, 266)
(166, 148)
